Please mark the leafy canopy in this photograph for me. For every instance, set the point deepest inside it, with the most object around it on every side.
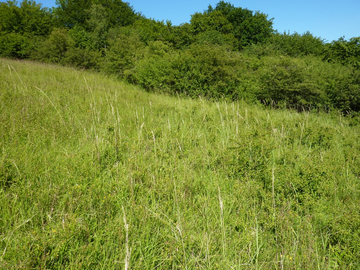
(248, 27)
(70, 13)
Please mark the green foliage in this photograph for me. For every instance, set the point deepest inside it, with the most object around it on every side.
(82, 49)
(213, 21)
(81, 38)
(180, 36)
(125, 49)
(215, 71)
(71, 13)
(201, 70)
(215, 38)
(9, 16)
(248, 27)
(83, 58)
(212, 28)
(344, 52)
(54, 48)
(297, 45)
(119, 13)
(21, 27)
(98, 25)
(243, 25)
(344, 89)
(290, 81)
(27, 19)
(294, 45)
(261, 50)
(224, 52)
(150, 30)
(308, 83)
(15, 45)
(158, 48)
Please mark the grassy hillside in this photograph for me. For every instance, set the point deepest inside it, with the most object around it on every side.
(96, 174)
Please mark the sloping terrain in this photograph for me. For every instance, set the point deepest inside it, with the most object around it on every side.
(97, 174)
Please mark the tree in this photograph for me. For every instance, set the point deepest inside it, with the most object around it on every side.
(248, 27)
(28, 18)
(22, 26)
(98, 24)
(70, 13)
(180, 36)
(124, 50)
(212, 28)
(209, 21)
(151, 30)
(119, 13)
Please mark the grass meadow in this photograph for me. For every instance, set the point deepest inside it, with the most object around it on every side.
(98, 174)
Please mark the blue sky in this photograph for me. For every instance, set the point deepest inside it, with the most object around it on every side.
(328, 19)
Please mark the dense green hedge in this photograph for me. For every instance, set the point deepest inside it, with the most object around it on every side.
(215, 71)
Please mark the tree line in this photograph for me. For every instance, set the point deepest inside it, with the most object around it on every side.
(223, 52)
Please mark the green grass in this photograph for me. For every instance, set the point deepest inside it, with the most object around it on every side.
(97, 174)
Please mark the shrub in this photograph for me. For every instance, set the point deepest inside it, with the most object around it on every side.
(344, 52)
(82, 39)
(54, 48)
(216, 38)
(343, 88)
(15, 45)
(298, 45)
(201, 70)
(125, 48)
(308, 82)
(290, 81)
(83, 58)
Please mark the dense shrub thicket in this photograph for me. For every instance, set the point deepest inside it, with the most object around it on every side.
(225, 52)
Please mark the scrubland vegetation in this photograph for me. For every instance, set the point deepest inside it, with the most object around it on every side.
(225, 52)
(97, 174)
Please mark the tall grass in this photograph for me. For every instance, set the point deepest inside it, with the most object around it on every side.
(97, 174)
